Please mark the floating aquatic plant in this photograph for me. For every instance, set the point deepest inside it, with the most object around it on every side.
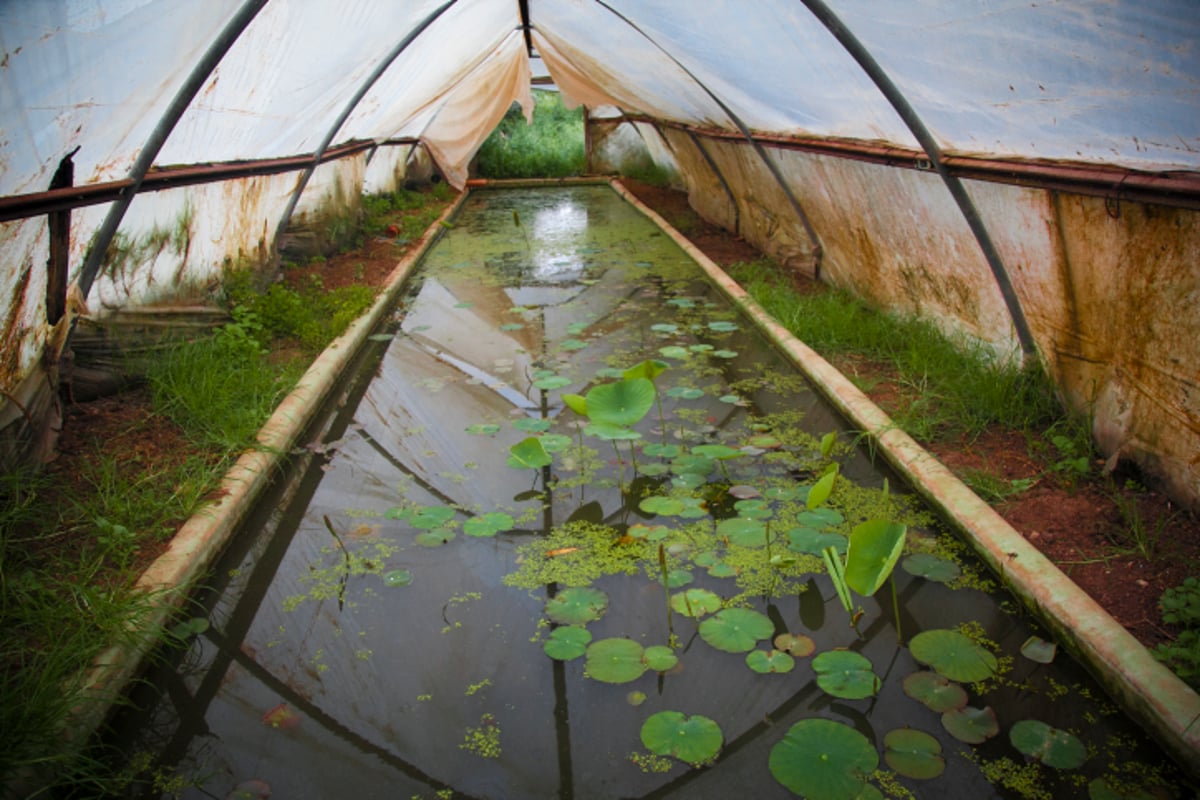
(696, 602)
(935, 692)
(1038, 649)
(488, 524)
(845, 674)
(796, 644)
(398, 577)
(1049, 745)
(953, 655)
(577, 604)
(971, 725)
(736, 630)
(913, 753)
(770, 661)
(694, 740)
(930, 567)
(824, 760)
(567, 642)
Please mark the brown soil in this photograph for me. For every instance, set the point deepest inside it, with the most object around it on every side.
(1080, 527)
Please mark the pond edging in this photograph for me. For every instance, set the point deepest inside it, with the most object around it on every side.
(1144, 688)
(201, 539)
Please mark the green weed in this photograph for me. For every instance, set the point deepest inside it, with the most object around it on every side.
(552, 147)
(1181, 606)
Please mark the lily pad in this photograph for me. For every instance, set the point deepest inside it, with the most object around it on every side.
(736, 630)
(819, 517)
(717, 452)
(434, 538)
(567, 642)
(769, 661)
(935, 692)
(577, 604)
(971, 725)
(913, 753)
(813, 541)
(398, 577)
(662, 450)
(1039, 650)
(651, 533)
(661, 505)
(685, 392)
(529, 453)
(660, 658)
(845, 674)
(674, 351)
(483, 429)
(875, 547)
(695, 602)
(820, 759)
(615, 660)
(695, 740)
(930, 567)
(428, 518)
(677, 578)
(552, 382)
(752, 508)
(1051, 746)
(488, 524)
(796, 644)
(692, 463)
(742, 531)
(723, 326)
(953, 655)
(532, 424)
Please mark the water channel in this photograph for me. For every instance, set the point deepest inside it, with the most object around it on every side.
(403, 618)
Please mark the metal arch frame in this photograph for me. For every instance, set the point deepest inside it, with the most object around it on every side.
(771, 166)
(357, 97)
(166, 124)
(916, 126)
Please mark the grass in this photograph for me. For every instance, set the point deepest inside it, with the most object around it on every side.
(552, 147)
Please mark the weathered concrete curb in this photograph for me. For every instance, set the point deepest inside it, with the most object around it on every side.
(1149, 692)
(199, 542)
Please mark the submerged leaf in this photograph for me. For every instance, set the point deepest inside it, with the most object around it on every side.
(1039, 650)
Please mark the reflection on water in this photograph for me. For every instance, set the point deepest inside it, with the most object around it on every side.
(371, 636)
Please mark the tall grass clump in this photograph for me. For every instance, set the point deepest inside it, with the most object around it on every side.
(956, 382)
(552, 147)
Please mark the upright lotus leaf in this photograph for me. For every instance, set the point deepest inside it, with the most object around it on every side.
(616, 660)
(953, 655)
(845, 674)
(660, 658)
(555, 442)
(820, 759)
(577, 604)
(576, 403)
(875, 547)
(822, 489)
(769, 661)
(736, 630)
(567, 642)
(1039, 650)
(930, 567)
(622, 402)
(742, 531)
(488, 524)
(529, 454)
(913, 753)
(1051, 746)
(649, 369)
(935, 692)
(695, 602)
(695, 740)
(971, 725)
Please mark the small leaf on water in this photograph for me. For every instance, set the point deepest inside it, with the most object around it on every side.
(616, 660)
(483, 429)
(488, 524)
(971, 725)
(1051, 746)
(695, 740)
(935, 692)
(736, 630)
(845, 674)
(577, 604)
(660, 658)
(796, 644)
(398, 577)
(1039, 650)
(913, 753)
(953, 655)
(770, 661)
(930, 567)
(567, 642)
(823, 760)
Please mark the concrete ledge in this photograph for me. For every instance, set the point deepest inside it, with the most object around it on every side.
(200, 541)
(1145, 689)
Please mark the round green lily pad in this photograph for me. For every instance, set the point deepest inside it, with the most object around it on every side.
(660, 658)
(661, 506)
(552, 382)
(695, 602)
(434, 538)
(743, 532)
(577, 604)
(768, 661)
(935, 692)
(616, 660)
(1051, 746)
(398, 577)
(819, 517)
(483, 429)
(677, 578)
(567, 642)
(1039, 650)
(736, 630)
(534, 424)
(695, 740)
(795, 644)
(913, 753)
(488, 524)
(845, 674)
(953, 655)
(813, 541)
(823, 760)
(430, 517)
(971, 725)
(930, 567)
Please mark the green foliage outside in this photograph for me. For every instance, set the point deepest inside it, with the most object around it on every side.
(1180, 606)
(552, 147)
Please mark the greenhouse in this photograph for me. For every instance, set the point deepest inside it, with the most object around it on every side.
(823, 422)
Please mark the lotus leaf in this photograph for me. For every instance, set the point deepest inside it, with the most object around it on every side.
(674, 351)
(662, 450)
(930, 567)
(820, 759)
(695, 602)
(615, 660)
(483, 429)
(1099, 789)
(1039, 650)
(822, 489)
(914, 754)
(552, 382)
(768, 661)
(692, 463)
(722, 326)
(953, 655)
(611, 432)
(731, 399)
(677, 578)
(434, 538)
(819, 517)
(722, 570)
(529, 453)
(695, 740)
(717, 452)
(743, 532)
(935, 692)
(796, 644)
(652, 533)
(1051, 746)
(576, 403)
(661, 505)
(572, 344)
(813, 541)
(660, 658)
(555, 442)
(398, 577)
(650, 369)
(577, 604)
(875, 547)
(786, 492)
(971, 725)
(845, 674)
(664, 327)
(567, 642)
(681, 302)
(488, 524)
(736, 630)
(685, 392)
(532, 424)
(752, 508)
